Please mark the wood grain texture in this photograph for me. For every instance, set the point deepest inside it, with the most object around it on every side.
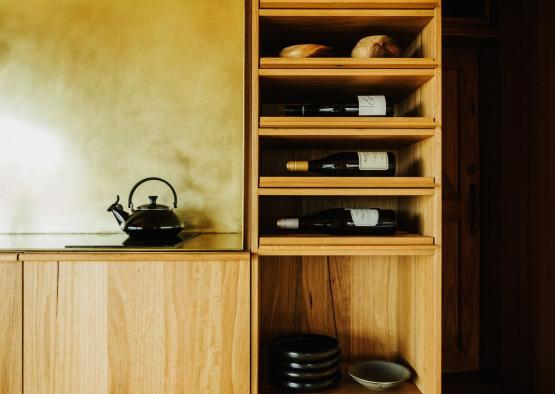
(347, 62)
(319, 191)
(132, 257)
(461, 180)
(398, 239)
(349, 4)
(346, 123)
(339, 182)
(11, 341)
(100, 327)
(342, 250)
(279, 83)
(420, 319)
(354, 135)
(365, 309)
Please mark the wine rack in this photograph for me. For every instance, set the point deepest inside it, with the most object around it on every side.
(380, 296)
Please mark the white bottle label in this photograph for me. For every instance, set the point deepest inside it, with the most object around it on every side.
(368, 161)
(372, 106)
(365, 217)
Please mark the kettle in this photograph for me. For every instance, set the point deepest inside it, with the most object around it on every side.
(150, 221)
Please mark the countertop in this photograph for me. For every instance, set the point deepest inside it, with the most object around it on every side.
(198, 242)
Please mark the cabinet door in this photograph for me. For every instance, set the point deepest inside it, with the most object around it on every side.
(461, 179)
(10, 324)
(136, 327)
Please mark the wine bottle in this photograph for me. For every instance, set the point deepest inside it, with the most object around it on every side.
(344, 221)
(349, 164)
(355, 106)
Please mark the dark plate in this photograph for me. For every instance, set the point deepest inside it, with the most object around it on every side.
(305, 366)
(306, 376)
(305, 348)
(307, 387)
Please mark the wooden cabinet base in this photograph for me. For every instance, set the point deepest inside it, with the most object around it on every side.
(136, 327)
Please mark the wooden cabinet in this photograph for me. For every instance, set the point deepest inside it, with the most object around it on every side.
(126, 323)
(10, 324)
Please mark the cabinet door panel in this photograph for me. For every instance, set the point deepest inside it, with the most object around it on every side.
(137, 327)
(10, 326)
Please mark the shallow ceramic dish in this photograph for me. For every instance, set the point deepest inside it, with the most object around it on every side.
(306, 348)
(379, 375)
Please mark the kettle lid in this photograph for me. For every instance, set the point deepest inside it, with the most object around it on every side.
(153, 205)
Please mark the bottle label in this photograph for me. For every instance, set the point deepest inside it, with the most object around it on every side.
(372, 106)
(365, 217)
(373, 161)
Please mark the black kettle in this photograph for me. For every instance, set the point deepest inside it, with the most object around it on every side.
(151, 221)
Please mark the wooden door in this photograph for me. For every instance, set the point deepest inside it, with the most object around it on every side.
(10, 324)
(460, 211)
(137, 326)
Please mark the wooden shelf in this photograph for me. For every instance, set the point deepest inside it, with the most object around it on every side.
(285, 122)
(347, 250)
(395, 82)
(346, 63)
(327, 240)
(378, 4)
(315, 191)
(346, 387)
(346, 182)
(353, 137)
(350, 21)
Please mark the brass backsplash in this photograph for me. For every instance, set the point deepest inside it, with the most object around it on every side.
(98, 94)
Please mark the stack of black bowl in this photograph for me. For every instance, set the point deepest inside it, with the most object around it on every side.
(305, 362)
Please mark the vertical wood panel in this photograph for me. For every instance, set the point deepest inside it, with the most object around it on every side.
(365, 305)
(137, 327)
(65, 328)
(10, 327)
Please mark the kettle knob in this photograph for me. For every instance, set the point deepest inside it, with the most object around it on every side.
(152, 200)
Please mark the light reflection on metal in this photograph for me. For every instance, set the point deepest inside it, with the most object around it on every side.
(97, 94)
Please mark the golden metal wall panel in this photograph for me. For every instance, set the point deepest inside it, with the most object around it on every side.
(98, 94)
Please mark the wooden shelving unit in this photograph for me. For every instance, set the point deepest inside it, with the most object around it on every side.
(380, 296)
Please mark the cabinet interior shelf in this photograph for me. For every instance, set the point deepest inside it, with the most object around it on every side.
(342, 191)
(353, 4)
(347, 250)
(396, 82)
(347, 182)
(342, 21)
(351, 387)
(347, 63)
(323, 240)
(295, 122)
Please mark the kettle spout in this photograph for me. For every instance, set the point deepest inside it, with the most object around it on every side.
(118, 212)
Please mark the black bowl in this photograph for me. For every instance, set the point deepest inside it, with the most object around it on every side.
(307, 387)
(294, 375)
(279, 364)
(306, 348)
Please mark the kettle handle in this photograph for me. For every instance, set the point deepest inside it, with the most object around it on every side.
(152, 178)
